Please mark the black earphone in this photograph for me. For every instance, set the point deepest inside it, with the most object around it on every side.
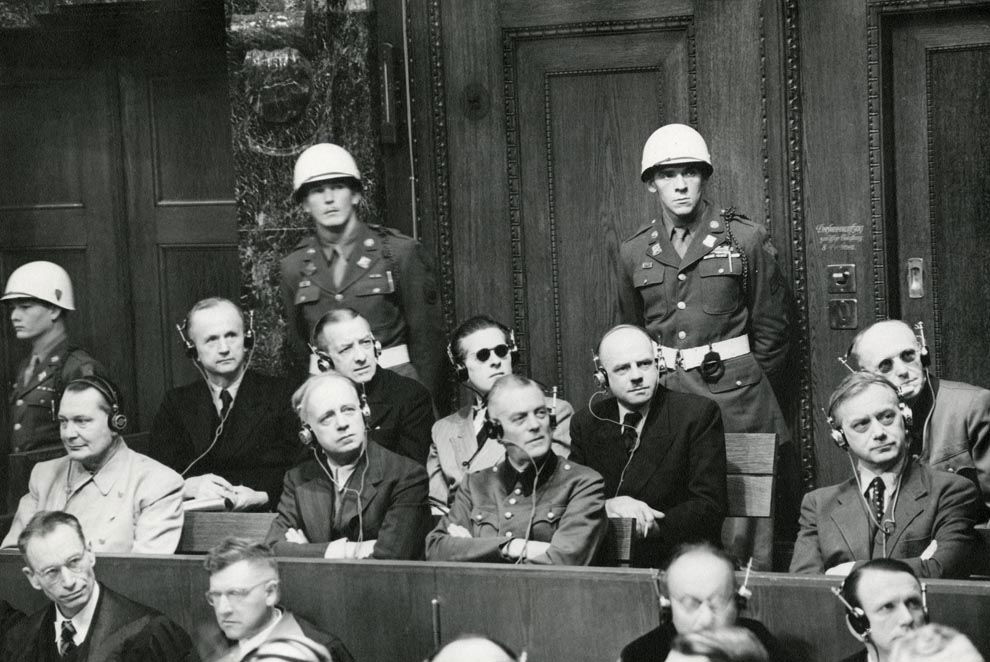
(324, 363)
(191, 351)
(308, 438)
(116, 419)
(493, 429)
(839, 437)
(461, 371)
(855, 616)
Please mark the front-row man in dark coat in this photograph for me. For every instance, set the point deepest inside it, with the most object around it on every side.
(533, 507)
(702, 595)
(86, 620)
(354, 499)
(662, 453)
(245, 593)
(233, 431)
(401, 408)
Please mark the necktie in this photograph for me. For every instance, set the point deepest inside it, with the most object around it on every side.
(29, 370)
(680, 240)
(629, 433)
(876, 491)
(339, 265)
(479, 414)
(225, 400)
(66, 643)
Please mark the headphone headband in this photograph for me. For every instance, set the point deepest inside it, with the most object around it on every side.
(116, 419)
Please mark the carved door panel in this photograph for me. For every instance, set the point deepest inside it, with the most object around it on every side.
(940, 266)
(546, 107)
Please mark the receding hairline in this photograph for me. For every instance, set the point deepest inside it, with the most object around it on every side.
(619, 331)
(211, 304)
(305, 392)
(873, 330)
(321, 331)
(855, 393)
(702, 553)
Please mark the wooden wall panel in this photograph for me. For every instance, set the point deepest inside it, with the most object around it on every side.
(382, 610)
(189, 273)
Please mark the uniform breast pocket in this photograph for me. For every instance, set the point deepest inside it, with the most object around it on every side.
(307, 294)
(720, 278)
(484, 523)
(374, 284)
(547, 519)
(649, 284)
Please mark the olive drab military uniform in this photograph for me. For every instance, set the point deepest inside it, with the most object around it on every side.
(32, 405)
(726, 294)
(388, 280)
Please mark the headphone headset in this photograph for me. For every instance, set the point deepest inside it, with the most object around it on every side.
(461, 371)
(857, 618)
(116, 419)
(308, 438)
(600, 375)
(919, 333)
(191, 351)
(303, 644)
(741, 596)
(323, 361)
(839, 437)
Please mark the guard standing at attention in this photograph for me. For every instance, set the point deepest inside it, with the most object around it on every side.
(705, 282)
(347, 263)
(40, 297)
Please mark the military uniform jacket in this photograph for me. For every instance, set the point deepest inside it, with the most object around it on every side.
(721, 289)
(932, 506)
(388, 280)
(495, 506)
(122, 631)
(31, 405)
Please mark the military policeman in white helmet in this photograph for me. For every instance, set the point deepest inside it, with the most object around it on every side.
(348, 263)
(705, 282)
(39, 297)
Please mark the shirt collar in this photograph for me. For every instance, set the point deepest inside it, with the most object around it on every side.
(232, 389)
(81, 621)
(47, 349)
(346, 240)
(524, 480)
(623, 410)
(249, 644)
(889, 478)
(669, 224)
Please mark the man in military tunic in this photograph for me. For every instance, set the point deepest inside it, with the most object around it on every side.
(706, 284)
(40, 296)
(379, 272)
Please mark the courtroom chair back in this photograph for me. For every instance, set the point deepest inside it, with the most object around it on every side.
(751, 462)
(201, 531)
(20, 466)
(139, 442)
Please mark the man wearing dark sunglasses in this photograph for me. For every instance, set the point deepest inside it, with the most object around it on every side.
(953, 430)
(893, 506)
(481, 351)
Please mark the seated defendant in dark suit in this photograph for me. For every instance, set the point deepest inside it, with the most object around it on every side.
(662, 453)
(354, 499)
(533, 507)
(244, 593)
(893, 506)
(232, 431)
(401, 408)
(86, 620)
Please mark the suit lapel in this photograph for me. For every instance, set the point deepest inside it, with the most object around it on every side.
(852, 521)
(202, 420)
(316, 498)
(910, 502)
(655, 442)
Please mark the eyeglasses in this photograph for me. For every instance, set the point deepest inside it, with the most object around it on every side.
(77, 565)
(501, 351)
(691, 604)
(235, 595)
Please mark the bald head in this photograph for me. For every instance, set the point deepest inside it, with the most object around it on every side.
(628, 357)
(473, 649)
(701, 584)
(890, 349)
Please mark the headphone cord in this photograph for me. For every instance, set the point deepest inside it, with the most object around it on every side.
(871, 516)
(219, 429)
(622, 474)
(343, 490)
